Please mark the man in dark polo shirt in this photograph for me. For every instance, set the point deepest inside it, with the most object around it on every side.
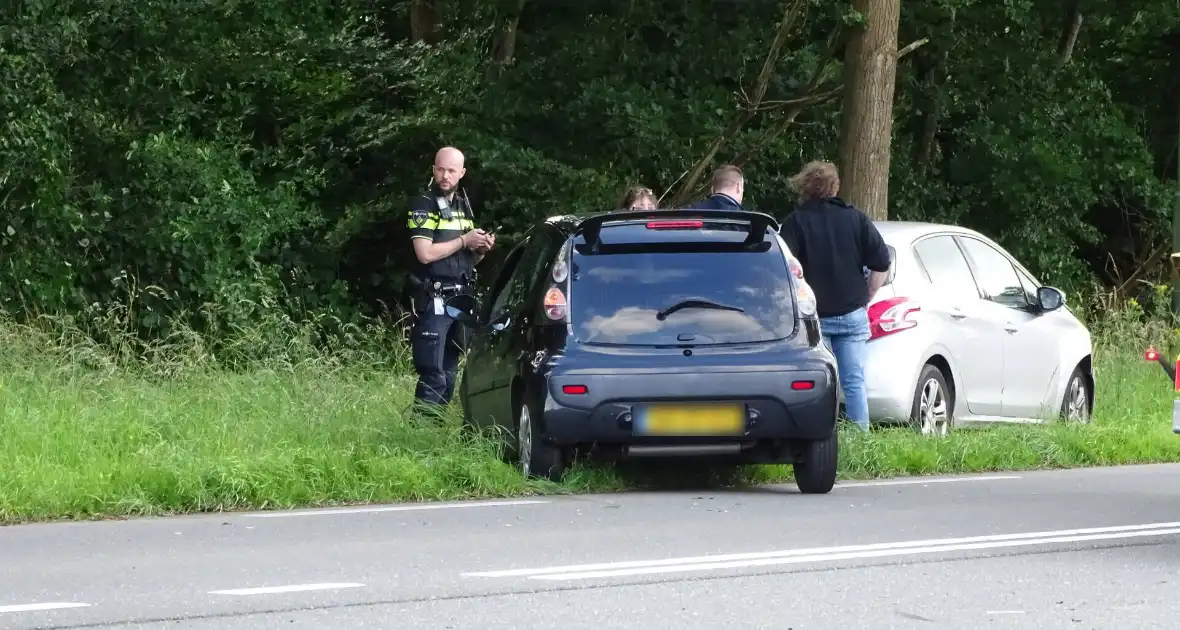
(726, 191)
(835, 242)
(447, 246)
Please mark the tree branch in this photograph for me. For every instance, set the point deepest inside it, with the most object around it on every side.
(795, 106)
(751, 104)
(912, 47)
(813, 96)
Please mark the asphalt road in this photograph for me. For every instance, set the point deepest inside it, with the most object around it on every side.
(1080, 549)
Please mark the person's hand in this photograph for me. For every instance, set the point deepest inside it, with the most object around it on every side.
(475, 240)
(489, 241)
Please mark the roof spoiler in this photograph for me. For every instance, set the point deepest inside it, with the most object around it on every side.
(591, 228)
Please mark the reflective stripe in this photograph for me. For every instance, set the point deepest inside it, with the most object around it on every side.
(461, 224)
(432, 223)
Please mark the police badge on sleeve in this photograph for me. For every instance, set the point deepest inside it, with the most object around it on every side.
(419, 217)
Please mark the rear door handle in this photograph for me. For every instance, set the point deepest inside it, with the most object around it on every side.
(958, 313)
(1010, 327)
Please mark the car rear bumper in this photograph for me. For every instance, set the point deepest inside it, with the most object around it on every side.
(892, 364)
(773, 409)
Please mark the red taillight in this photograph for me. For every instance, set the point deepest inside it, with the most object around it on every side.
(802, 385)
(674, 225)
(796, 268)
(1151, 354)
(891, 315)
(575, 390)
(555, 304)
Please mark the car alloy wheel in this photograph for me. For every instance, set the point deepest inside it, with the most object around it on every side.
(1077, 407)
(933, 409)
(524, 442)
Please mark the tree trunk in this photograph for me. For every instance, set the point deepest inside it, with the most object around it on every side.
(423, 21)
(866, 126)
(930, 123)
(504, 47)
(1069, 35)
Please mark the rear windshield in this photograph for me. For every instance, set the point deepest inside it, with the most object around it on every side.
(616, 296)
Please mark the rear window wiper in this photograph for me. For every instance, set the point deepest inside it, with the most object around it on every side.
(662, 315)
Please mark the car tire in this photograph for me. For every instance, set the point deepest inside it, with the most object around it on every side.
(534, 458)
(934, 405)
(815, 470)
(1075, 405)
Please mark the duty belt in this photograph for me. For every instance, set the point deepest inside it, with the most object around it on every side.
(446, 289)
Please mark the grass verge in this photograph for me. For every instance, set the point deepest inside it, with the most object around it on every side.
(95, 431)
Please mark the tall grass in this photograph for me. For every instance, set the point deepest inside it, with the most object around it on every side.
(285, 414)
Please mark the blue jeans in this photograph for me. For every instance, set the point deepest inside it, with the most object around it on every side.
(846, 336)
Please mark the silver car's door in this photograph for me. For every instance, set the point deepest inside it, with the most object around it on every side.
(1030, 339)
(974, 333)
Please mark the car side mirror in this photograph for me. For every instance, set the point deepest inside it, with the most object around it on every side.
(1050, 299)
(462, 308)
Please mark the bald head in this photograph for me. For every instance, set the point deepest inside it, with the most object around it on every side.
(448, 169)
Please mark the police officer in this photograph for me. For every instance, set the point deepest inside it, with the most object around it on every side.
(448, 247)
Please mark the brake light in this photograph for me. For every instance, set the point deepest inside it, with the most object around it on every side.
(574, 390)
(675, 225)
(796, 268)
(555, 304)
(892, 315)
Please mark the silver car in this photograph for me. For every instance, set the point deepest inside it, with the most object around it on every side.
(963, 334)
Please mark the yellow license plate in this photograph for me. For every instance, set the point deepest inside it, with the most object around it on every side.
(690, 419)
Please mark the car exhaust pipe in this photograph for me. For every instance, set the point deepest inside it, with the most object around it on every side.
(684, 450)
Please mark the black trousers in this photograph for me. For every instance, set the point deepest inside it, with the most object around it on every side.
(436, 341)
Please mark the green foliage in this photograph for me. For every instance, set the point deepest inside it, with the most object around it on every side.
(226, 159)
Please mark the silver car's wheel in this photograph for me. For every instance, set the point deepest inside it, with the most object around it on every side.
(524, 441)
(1076, 406)
(933, 411)
(933, 406)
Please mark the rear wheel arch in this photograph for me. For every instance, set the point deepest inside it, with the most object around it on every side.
(944, 366)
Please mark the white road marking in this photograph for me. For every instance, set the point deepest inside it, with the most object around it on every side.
(294, 588)
(45, 606)
(398, 508)
(1004, 612)
(924, 480)
(825, 554)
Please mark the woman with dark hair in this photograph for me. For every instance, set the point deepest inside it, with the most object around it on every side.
(639, 198)
(835, 242)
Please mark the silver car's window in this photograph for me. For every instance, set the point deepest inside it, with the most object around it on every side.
(995, 274)
(946, 268)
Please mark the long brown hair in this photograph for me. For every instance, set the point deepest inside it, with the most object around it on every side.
(816, 180)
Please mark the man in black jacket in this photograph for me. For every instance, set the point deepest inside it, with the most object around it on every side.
(834, 243)
(726, 192)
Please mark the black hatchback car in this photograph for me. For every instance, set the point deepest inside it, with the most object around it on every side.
(653, 332)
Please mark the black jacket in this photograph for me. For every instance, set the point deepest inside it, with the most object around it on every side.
(717, 202)
(834, 242)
